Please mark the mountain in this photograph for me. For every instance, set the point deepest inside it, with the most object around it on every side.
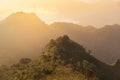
(62, 59)
(20, 34)
(104, 42)
(24, 35)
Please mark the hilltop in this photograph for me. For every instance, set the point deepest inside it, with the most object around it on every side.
(62, 59)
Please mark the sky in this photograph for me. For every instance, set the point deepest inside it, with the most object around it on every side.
(84, 12)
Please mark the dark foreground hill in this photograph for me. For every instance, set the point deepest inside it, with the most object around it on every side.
(63, 59)
(104, 42)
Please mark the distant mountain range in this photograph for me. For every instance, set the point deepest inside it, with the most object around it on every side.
(25, 35)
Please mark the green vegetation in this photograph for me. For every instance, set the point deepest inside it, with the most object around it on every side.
(63, 59)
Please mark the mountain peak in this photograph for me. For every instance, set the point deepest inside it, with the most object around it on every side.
(67, 50)
(65, 24)
(23, 14)
(24, 19)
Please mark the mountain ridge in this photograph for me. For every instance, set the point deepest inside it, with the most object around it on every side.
(61, 59)
(33, 32)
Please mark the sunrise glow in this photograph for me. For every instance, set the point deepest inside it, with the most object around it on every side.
(92, 12)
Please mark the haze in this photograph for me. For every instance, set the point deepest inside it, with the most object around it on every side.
(83, 12)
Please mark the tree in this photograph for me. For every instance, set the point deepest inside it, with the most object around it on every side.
(25, 60)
